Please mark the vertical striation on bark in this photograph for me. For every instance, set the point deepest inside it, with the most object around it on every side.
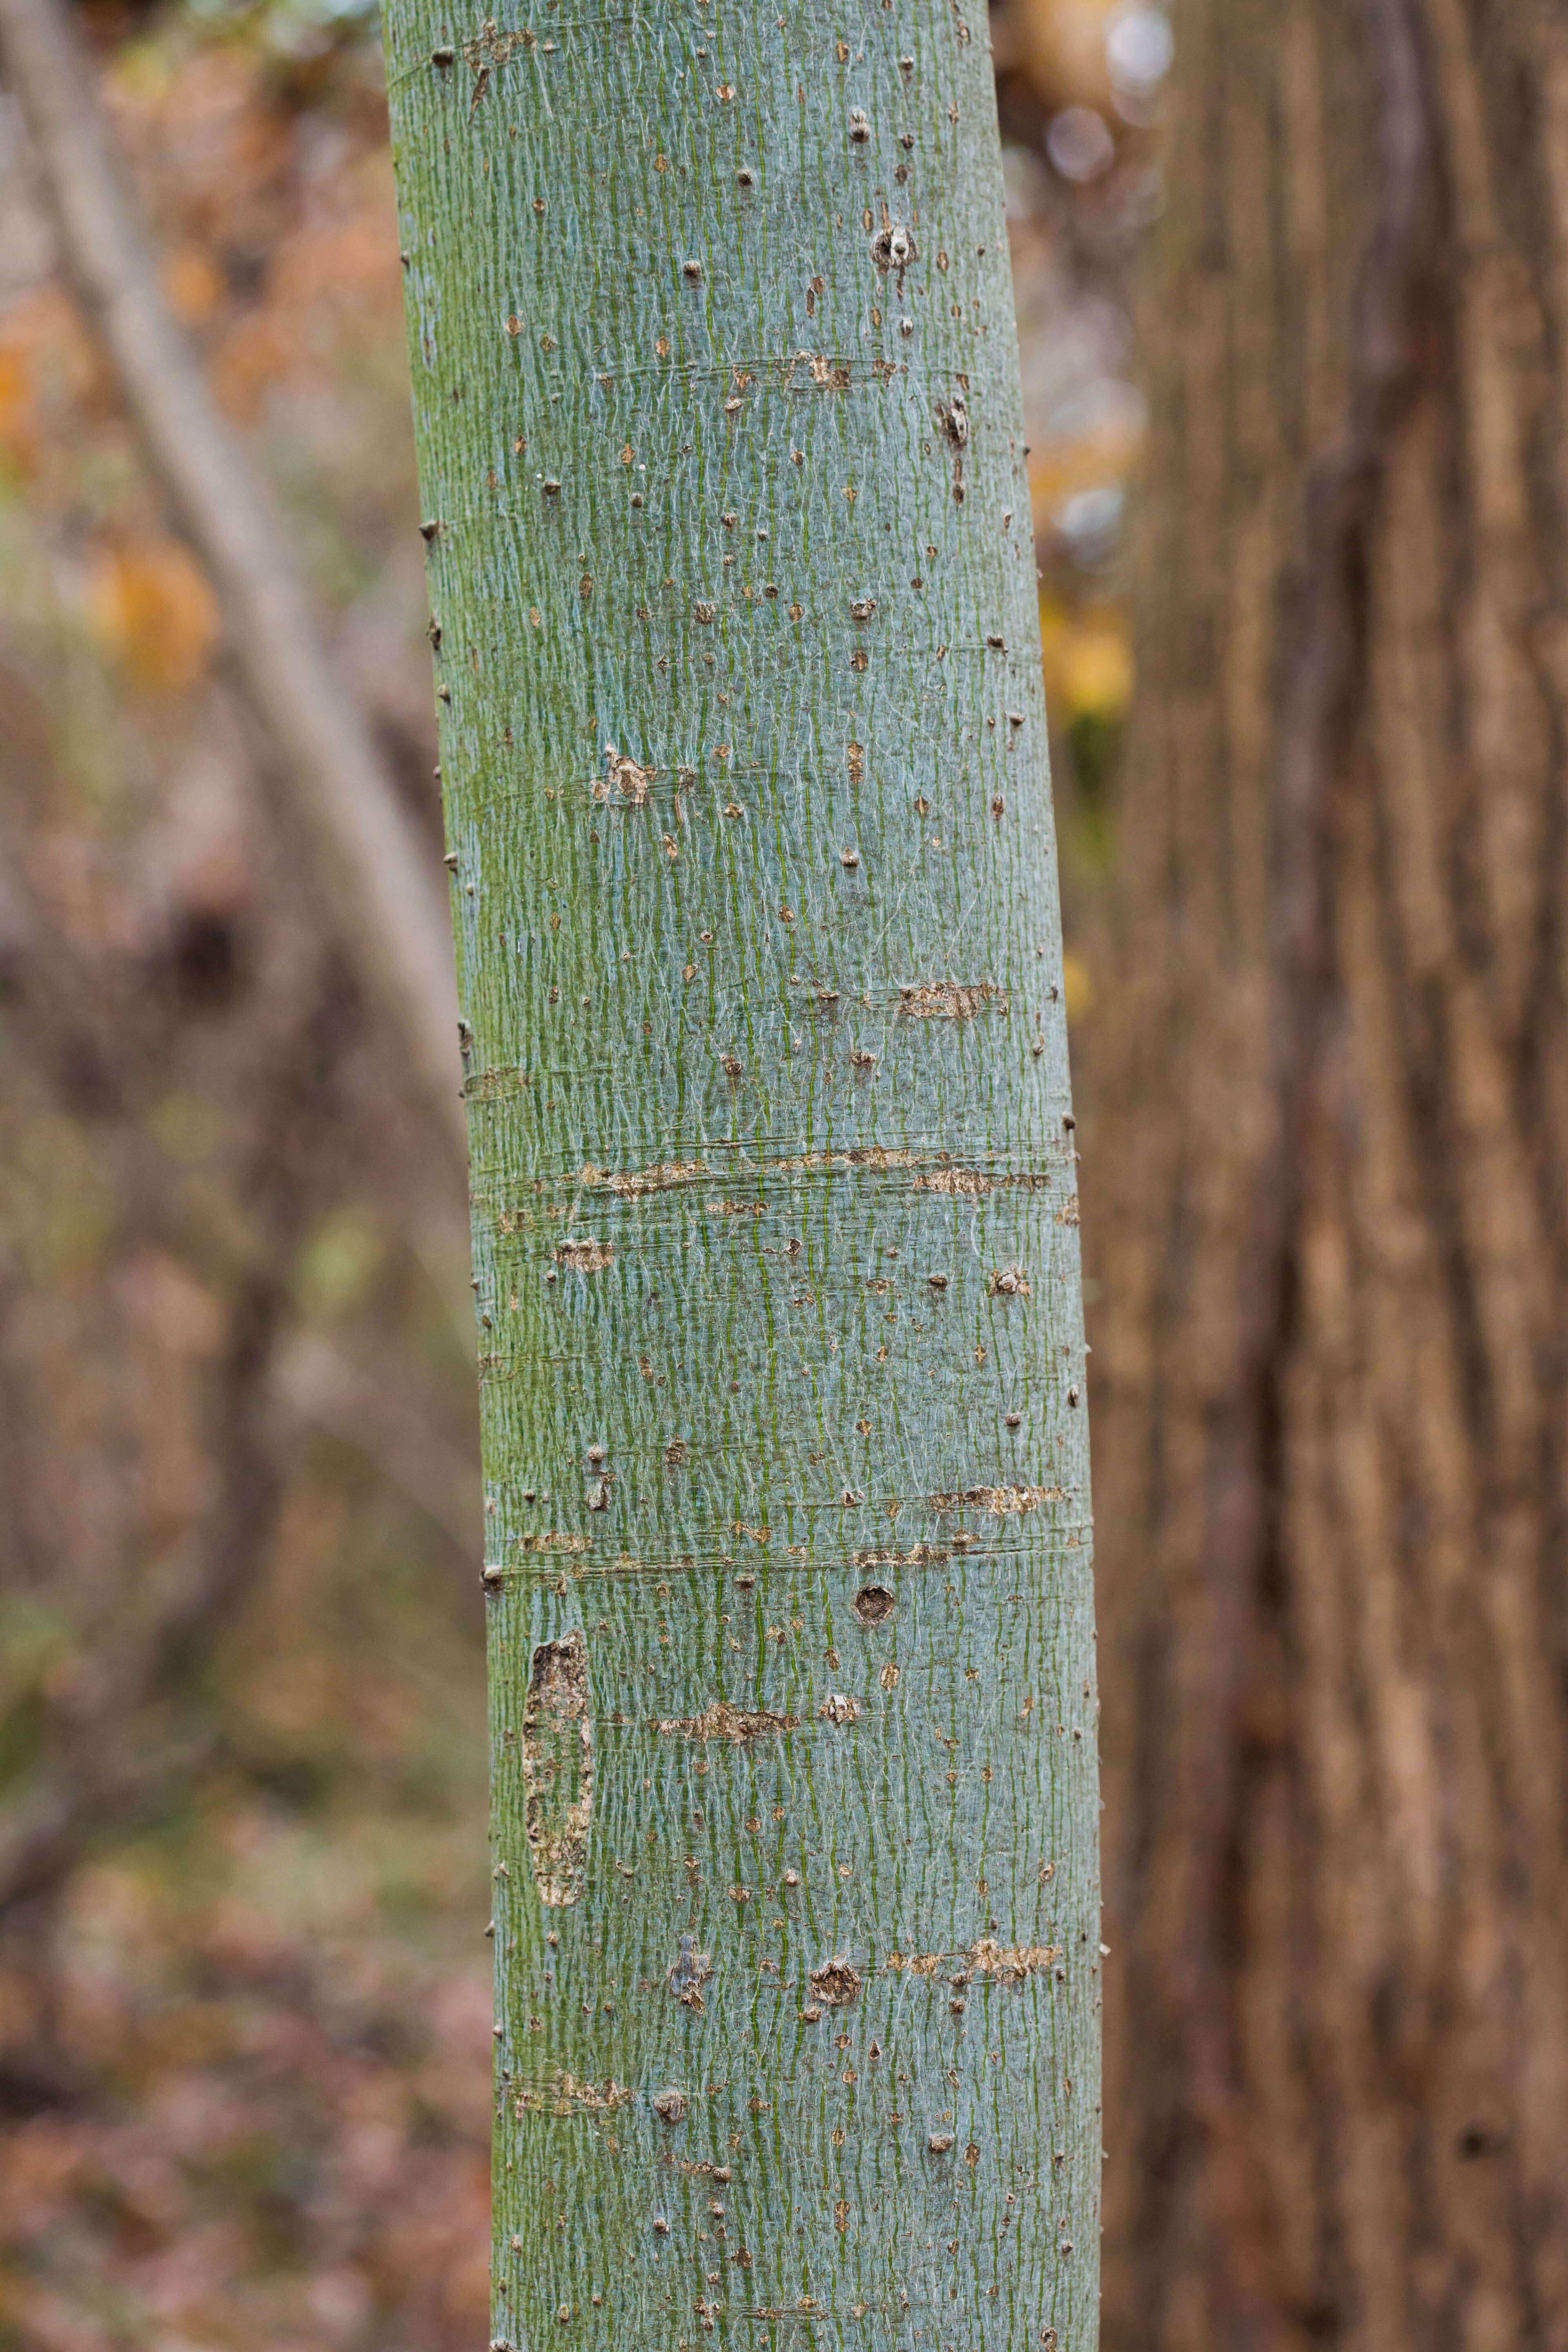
(774, 1202)
(1330, 1111)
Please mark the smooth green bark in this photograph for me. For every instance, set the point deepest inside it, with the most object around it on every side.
(774, 1218)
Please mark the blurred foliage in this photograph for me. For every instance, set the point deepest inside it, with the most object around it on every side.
(244, 2033)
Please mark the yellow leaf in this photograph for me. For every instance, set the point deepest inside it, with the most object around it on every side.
(1088, 661)
(1096, 669)
(1078, 989)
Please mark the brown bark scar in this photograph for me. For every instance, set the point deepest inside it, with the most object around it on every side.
(950, 999)
(588, 1257)
(917, 1555)
(634, 1184)
(872, 1155)
(568, 2096)
(964, 1183)
(723, 1721)
(490, 48)
(1007, 1963)
(691, 1971)
(1010, 1963)
(1001, 1500)
(625, 773)
(834, 1983)
(558, 1767)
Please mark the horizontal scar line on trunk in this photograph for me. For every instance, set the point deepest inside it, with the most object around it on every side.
(550, 1562)
(942, 1174)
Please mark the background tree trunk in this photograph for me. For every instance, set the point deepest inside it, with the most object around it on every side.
(774, 1205)
(1330, 1147)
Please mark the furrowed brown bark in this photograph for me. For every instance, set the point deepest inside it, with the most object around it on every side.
(1328, 1136)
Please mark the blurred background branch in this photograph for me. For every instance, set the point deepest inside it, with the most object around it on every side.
(374, 879)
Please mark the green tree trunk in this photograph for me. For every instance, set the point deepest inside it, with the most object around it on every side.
(773, 1207)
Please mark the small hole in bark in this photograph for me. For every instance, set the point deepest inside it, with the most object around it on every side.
(874, 1604)
(893, 247)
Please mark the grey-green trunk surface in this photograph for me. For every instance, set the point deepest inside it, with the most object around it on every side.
(774, 1215)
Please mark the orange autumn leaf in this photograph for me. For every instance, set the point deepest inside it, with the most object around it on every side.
(150, 604)
(18, 409)
(192, 283)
